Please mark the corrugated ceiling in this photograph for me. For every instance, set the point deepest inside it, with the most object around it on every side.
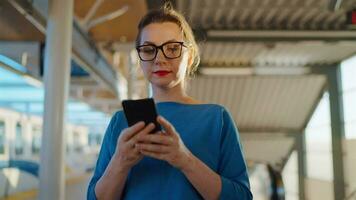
(262, 103)
(249, 54)
(272, 148)
(266, 14)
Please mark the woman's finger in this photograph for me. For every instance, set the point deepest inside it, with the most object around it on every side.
(155, 138)
(133, 140)
(166, 125)
(131, 131)
(158, 156)
(153, 148)
(144, 131)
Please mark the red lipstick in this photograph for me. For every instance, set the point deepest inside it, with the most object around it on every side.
(161, 73)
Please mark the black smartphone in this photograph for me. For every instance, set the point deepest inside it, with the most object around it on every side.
(141, 110)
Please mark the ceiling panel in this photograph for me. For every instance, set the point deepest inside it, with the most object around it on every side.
(272, 148)
(122, 28)
(266, 14)
(14, 26)
(262, 103)
(283, 54)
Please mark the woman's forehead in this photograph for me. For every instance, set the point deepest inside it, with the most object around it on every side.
(158, 33)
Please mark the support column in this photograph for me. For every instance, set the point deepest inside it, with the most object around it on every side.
(337, 129)
(131, 64)
(56, 77)
(300, 146)
(121, 80)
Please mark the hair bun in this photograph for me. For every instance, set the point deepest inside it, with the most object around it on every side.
(167, 6)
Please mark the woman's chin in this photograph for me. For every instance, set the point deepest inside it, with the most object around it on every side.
(163, 83)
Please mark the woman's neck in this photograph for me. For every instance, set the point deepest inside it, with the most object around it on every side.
(175, 94)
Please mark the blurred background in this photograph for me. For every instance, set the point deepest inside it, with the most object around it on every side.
(285, 69)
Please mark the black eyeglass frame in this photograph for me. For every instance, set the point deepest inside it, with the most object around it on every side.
(160, 47)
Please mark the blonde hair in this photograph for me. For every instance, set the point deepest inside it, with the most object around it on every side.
(167, 14)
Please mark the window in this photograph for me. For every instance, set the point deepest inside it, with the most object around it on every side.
(318, 142)
(348, 74)
(2, 137)
(19, 142)
(36, 140)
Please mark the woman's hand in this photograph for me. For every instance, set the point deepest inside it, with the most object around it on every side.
(165, 145)
(126, 153)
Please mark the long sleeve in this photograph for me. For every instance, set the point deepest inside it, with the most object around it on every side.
(232, 166)
(103, 160)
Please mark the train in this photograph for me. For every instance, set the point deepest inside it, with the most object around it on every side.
(20, 146)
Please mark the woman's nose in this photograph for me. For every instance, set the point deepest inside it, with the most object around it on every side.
(160, 56)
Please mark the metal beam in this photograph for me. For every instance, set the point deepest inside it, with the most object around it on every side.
(30, 14)
(300, 146)
(337, 129)
(334, 5)
(334, 87)
(89, 57)
(107, 17)
(91, 12)
(278, 36)
(84, 51)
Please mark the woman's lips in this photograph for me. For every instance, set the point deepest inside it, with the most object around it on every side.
(161, 73)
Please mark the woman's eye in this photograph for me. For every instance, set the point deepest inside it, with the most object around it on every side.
(173, 48)
(148, 50)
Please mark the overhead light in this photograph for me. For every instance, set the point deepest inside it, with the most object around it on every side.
(281, 70)
(232, 71)
(238, 71)
(282, 34)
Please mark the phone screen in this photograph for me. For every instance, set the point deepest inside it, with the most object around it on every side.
(141, 110)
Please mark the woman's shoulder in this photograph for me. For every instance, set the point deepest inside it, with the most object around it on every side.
(118, 114)
(194, 105)
(215, 106)
(118, 120)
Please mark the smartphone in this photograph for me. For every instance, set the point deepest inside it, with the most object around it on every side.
(141, 110)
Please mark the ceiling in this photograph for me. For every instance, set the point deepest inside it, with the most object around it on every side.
(23, 31)
(122, 28)
(283, 54)
(273, 148)
(262, 103)
(261, 52)
(267, 14)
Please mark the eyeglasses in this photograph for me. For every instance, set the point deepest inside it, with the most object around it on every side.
(170, 50)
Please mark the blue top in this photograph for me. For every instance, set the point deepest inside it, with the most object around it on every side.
(207, 130)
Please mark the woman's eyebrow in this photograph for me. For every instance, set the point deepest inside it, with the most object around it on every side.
(149, 42)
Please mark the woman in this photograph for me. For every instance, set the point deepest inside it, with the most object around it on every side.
(198, 155)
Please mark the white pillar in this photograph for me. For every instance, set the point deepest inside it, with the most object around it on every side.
(56, 77)
(131, 77)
